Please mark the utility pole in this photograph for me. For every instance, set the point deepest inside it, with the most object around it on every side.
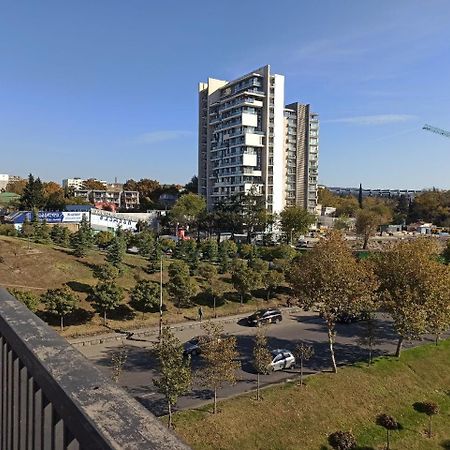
(161, 297)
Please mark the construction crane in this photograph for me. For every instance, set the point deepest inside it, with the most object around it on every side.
(436, 130)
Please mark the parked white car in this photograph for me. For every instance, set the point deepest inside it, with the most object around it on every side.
(281, 359)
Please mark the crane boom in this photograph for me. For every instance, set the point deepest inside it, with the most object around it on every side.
(436, 130)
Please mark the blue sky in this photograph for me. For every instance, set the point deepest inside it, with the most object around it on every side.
(108, 88)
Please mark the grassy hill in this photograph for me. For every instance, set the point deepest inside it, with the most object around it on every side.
(291, 417)
(37, 267)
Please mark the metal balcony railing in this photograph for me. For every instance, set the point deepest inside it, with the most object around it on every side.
(53, 398)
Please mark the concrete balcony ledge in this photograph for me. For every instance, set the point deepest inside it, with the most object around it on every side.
(52, 397)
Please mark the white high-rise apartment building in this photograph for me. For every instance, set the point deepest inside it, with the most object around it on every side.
(249, 140)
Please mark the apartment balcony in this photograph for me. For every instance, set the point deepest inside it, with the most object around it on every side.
(53, 398)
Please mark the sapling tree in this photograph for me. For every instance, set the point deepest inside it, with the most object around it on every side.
(174, 370)
(261, 358)
(303, 352)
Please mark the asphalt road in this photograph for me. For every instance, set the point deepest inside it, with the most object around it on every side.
(140, 367)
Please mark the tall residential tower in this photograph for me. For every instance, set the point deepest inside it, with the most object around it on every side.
(249, 140)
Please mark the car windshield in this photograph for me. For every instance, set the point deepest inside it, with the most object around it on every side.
(259, 313)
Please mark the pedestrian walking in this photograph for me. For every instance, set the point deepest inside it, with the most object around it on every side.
(200, 313)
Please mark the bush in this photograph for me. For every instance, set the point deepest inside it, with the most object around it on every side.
(8, 230)
(30, 300)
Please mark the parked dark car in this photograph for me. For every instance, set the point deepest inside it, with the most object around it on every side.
(193, 347)
(264, 316)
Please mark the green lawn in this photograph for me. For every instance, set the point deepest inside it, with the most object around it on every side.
(291, 417)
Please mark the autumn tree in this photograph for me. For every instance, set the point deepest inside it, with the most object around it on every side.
(145, 296)
(303, 352)
(220, 359)
(413, 288)
(106, 296)
(174, 370)
(93, 184)
(59, 302)
(389, 424)
(294, 222)
(430, 409)
(342, 440)
(333, 281)
(367, 224)
(261, 358)
(370, 218)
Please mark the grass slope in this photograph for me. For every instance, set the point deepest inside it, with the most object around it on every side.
(37, 267)
(291, 417)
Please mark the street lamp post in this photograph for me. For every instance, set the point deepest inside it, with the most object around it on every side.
(161, 297)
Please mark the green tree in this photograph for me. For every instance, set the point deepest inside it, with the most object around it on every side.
(229, 248)
(370, 338)
(154, 258)
(115, 252)
(209, 273)
(303, 352)
(332, 280)
(342, 440)
(59, 302)
(413, 287)
(271, 280)
(41, 232)
(261, 358)
(81, 241)
(175, 375)
(33, 194)
(30, 300)
(187, 209)
(294, 222)
(106, 296)
(146, 243)
(60, 235)
(103, 239)
(106, 272)
(118, 360)
(209, 249)
(220, 356)
(145, 296)
(244, 279)
(181, 286)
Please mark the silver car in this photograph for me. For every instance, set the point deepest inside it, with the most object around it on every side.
(281, 359)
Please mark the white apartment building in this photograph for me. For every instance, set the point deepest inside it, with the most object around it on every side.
(249, 139)
(75, 183)
(78, 183)
(4, 180)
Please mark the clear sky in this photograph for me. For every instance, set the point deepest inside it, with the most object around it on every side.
(108, 88)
